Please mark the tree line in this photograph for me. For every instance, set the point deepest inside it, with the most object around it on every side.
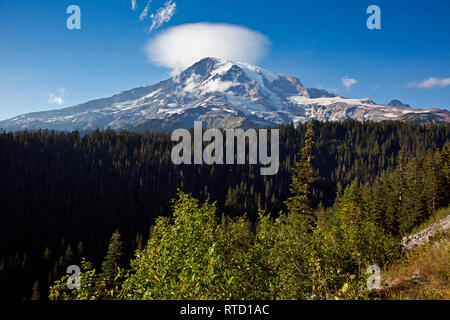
(302, 253)
(63, 194)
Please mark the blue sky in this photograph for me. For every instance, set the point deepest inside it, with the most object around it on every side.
(45, 66)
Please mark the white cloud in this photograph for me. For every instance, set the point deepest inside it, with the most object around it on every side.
(193, 85)
(57, 98)
(163, 15)
(431, 83)
(53, 99)
(144, 12)
(180, 47)
(348, 82)
(217, 85)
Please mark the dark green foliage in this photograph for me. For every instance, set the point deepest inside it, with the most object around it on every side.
(191, 256)
(112, 262)
(60, 189)
(36, 295)
(302, 179)
(406, 197)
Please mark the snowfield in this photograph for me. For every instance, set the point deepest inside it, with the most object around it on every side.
(221, 93)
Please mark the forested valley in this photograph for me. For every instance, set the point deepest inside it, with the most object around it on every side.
(105, 198)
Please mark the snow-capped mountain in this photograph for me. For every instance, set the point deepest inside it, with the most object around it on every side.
(223, 94)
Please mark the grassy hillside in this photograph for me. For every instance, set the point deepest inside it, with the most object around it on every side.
(424, 273)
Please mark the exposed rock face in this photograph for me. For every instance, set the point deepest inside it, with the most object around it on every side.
(411, 242)
(223, 94)
(398, 104)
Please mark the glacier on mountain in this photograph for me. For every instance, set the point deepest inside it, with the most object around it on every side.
(223, 94)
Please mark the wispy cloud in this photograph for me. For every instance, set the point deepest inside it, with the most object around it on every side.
(430, 83)
(348, 82)
(57, 98)
(181, 46)
(133, 4)
(163, 15)
(144, 12)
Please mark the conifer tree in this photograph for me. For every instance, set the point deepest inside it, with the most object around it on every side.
(36, 295)
(112, 262)
(303, 179)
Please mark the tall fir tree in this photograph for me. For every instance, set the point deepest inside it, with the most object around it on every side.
(302, 179)
(112, 262)
(36, 295)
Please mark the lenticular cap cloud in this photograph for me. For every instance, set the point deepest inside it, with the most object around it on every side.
(181, 46)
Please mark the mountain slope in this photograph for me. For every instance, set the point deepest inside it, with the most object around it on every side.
(222, 94)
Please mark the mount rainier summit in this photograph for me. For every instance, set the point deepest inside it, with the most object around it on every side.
(222, 94)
